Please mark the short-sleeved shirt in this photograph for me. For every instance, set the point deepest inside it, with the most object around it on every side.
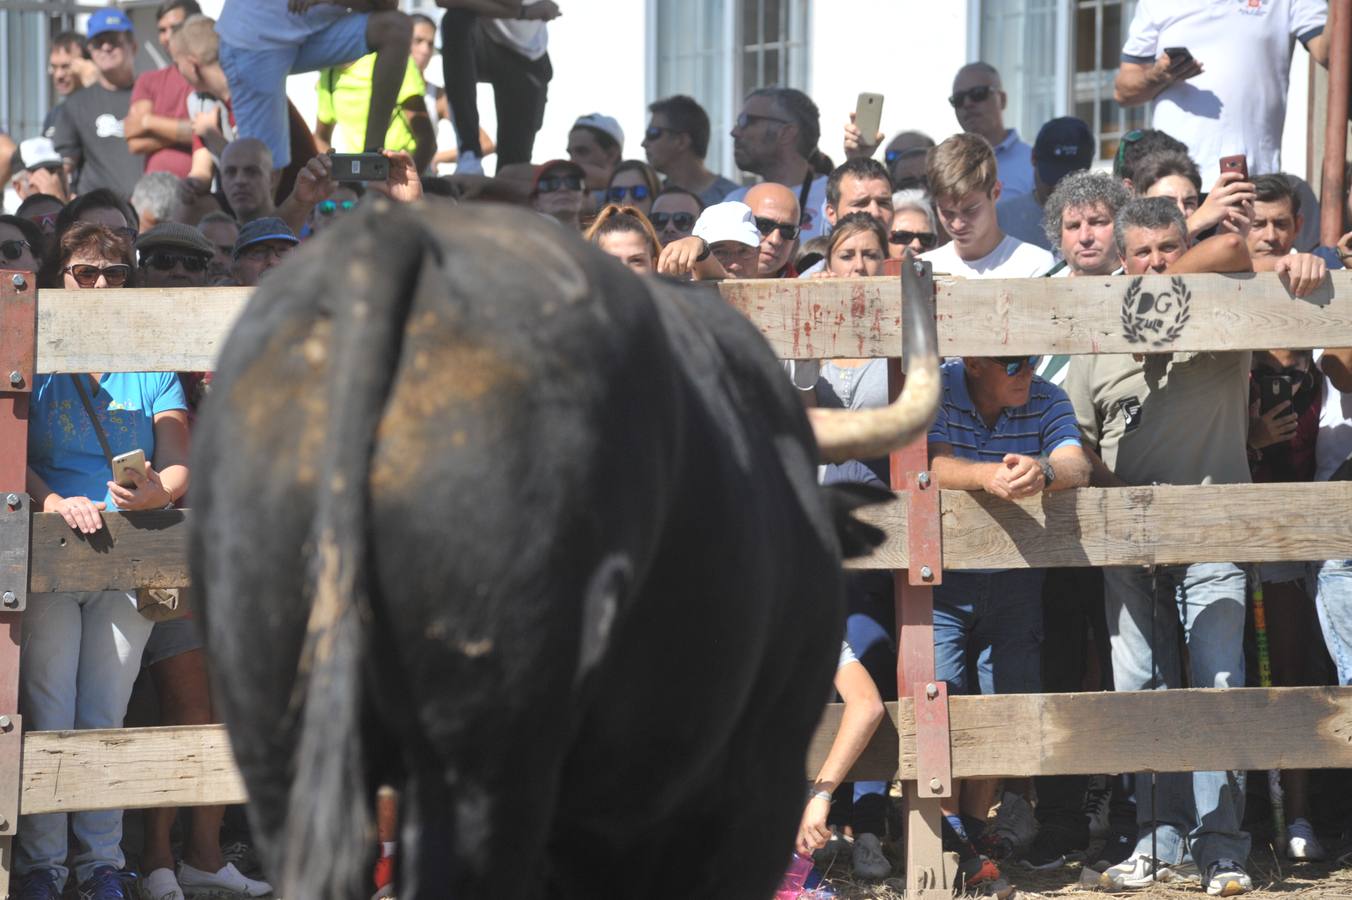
(62, 445)
(1021, 217)
(1040, 426)
(715, 192)
(1011, 258)
(1238, 103)
(345, 101)
(1014, 165)
(92, 130)
(269, 25)
(168, 93)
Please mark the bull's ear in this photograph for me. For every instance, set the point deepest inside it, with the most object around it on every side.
(856, 538)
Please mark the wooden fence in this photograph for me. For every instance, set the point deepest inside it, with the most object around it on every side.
(928, 739)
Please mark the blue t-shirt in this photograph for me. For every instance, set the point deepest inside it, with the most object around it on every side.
(62, 446)
(1045, 422)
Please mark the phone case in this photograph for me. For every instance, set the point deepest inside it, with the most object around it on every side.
(868, 115)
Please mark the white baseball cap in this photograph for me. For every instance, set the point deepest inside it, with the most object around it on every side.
(602, 123)
(37, 152)
(729, 221)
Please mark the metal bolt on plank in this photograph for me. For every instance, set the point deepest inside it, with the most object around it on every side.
(19, 282)
(926, 573)
(10, 600)
(16, 378)
(12, 501)
(5, 723)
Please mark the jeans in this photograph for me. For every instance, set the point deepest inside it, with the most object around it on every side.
(870, 630)
(81, 655)
(1333, 602)
(1204, 809)
(988, 632)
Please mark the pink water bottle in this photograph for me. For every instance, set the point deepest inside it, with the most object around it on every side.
(791, 885)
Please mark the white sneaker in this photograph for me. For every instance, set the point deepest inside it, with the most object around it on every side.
(227, 880)
(161, 884)
(468, 163)
(1302, 843)
(867, 859)
(1226, 878)
(1138, 871)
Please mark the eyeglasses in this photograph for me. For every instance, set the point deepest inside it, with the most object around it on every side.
(767, 226)
(88, 276)
(46, 221)
(637, 191)
(1014, 364)
(654, 132)
(927, 239)
(330, 207)
(683, 221)
(105, 43)
(557, 182)
(1120, 158)
(745, 119)
(164, 260)
(12, 250)
(978, 94)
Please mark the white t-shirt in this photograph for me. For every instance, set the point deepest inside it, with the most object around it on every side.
(1011, 258)
(530, 37)
(814, 211)
(1238, 104)
(266, 24)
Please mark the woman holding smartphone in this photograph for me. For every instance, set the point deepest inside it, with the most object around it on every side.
(82, 651)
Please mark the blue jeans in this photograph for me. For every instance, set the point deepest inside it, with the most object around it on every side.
(870, 631)
(988, 632)
(81, 655)
(1333, 602)
(1145, 612)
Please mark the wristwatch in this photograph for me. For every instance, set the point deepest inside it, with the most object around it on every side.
(704, 254)
(1048, 473)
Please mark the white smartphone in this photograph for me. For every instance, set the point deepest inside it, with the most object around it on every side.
(124, 463)
(868, 115)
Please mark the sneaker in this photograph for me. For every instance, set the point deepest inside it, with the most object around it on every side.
(995, 844)
(1301, 843)
(1140, 871)
(867, 859)
(1054, 846)
(106, 883)
(161, 884)
(384, 893)
(227, 880)
(468, 163)
(241, 855)
(39, 884)
(837, 844)
(1015, 826)
(1118, 847)
(384, 871)
(1097, 801)
(1227, 878)
(978, 870)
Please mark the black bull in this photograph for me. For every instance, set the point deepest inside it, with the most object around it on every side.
(486, 517)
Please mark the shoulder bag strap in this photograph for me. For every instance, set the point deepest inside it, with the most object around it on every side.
(89, 408)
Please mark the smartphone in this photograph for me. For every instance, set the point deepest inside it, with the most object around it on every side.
(360, 167)
(131, 461)
(868, 116)
(1273, 390)
(1178, 56)
(1238, 164)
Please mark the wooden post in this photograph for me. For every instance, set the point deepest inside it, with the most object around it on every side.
(1335, 130)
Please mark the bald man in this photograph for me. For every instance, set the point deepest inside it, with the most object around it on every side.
(247, 178)
(979, 101)
(776, 210)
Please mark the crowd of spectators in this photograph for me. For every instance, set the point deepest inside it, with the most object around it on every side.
(203, 174)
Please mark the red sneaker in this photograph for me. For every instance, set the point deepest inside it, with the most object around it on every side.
(384, 872)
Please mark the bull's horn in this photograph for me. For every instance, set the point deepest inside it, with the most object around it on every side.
(870, 433)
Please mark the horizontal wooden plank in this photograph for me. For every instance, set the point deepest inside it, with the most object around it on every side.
(1086, 734)
(128, 768)
(141, 549)
(1008, 317)
(148, 330)
(1130, 526)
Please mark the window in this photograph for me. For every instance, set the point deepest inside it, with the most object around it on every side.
(24, 86)
(1019, 37)
(1100, 31)
(718, 50)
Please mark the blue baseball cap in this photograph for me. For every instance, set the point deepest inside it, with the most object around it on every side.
(268, 228)
(107, 19)
(1063, 146)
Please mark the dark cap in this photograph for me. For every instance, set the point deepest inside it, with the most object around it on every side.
(176, 236)
(1063, 146)
(557, 166)
(268, 228)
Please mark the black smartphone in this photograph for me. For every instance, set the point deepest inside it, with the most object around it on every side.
(360, 167)
(1178, 56)
(1273, 391)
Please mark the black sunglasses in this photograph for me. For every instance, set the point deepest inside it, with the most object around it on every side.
(927, 239)
(88, 276)
(683, 221)
(164, 260)
(12, 250)
(637, 191)
(745, 119)
(553, 183)
(977, 94)
(1014, 364)
(766, 226)
(653, 132)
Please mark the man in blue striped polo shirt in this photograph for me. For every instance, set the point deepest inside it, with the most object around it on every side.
(1002, 430)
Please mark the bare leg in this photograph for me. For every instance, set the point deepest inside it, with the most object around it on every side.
(389, 33)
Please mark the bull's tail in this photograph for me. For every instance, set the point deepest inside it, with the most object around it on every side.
(329, 834)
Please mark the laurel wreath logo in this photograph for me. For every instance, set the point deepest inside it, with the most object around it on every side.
(1155, 320)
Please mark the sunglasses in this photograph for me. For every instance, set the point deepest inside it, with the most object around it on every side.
(12, 250)
(745, 119)
(927, 239)
(978, 94)
(88, 276)
(1014, 364)
(768, 226)
(163, 260)
(330, 207)
(681, 221)
(893, 155)
(654, 132)
(46, 221)
(557, 182)
(637, 191)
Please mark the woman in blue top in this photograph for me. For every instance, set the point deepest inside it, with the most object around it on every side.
(82, 651)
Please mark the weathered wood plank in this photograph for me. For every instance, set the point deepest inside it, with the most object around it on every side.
(141, 549)
(1008, 317)
(1130, 526)
(129, 768)
(1085, 734)
(155, 329)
